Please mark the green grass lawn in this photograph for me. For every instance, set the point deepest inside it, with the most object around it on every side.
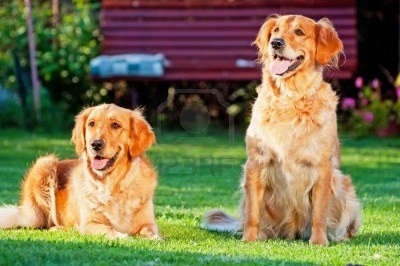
(196, 174)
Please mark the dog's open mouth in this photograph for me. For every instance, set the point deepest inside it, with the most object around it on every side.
(100, 163)
(282, 65)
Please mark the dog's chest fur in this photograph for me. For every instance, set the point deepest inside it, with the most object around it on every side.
(284, 138)
(290, 126)
(118, 206)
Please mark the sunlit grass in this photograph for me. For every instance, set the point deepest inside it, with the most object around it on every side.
(197, 173)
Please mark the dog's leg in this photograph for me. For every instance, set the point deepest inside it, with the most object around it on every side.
(254, 190)
(37, 205)
(145, 222)
(322, 196)
(39, 190)
(350, 208)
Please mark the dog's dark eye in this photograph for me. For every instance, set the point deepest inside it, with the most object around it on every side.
(91, 124)
(115, 125)
(276, 29)
(299, 32)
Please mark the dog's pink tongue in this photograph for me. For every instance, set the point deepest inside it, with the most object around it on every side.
(99, 164)
(279, 66)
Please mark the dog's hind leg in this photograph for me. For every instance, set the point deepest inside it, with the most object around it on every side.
(37, 204)
(345, 212)
(352, 209)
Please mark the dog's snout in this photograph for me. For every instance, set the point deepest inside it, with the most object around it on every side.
(277, 43)
(97, 144)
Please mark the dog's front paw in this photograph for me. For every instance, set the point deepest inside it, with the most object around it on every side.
(58, 228)
(148, 233)
(112, 235)
(154, 237)
(250, 234)
(319, 239)
(120, 235)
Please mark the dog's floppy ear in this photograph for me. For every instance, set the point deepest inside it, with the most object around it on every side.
(142, 136)
(329, 46)
(263, 37)
(78, 133)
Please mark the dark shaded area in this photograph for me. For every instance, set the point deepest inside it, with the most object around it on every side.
(45, 253)
(378, 41)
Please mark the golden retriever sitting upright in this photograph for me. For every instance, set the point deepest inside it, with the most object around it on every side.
(292, 185)
(107, 191)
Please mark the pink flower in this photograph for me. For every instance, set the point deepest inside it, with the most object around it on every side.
(359, 82)
(364, 102)
(348, 103)
(368, 117)
(398, 93)
(375, 84)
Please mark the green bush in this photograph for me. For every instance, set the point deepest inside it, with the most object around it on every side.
(63, 55)
(11, 114)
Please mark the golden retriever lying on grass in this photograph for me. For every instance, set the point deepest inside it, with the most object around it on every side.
(107, 191)
(293, 186)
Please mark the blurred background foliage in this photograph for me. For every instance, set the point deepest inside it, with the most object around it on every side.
(64, 52)
(63, 55)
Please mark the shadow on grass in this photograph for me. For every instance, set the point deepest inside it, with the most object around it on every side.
(388, 238)
(226, 235)
(374, 239)
(35, 252)
(363, 239)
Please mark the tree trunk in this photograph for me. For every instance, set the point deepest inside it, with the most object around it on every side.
(32, 58)
(55, 11)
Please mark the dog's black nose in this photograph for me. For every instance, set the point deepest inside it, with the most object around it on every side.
(277, 43)
(97, 144)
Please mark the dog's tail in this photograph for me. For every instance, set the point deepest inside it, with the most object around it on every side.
(9, 216)
(217, 220)
(12, 216)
